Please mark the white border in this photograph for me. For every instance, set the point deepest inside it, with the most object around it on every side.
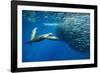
(53, 63)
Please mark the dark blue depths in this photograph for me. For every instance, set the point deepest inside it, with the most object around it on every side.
(73, 30)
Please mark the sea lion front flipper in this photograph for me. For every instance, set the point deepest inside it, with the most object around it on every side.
(33, 35)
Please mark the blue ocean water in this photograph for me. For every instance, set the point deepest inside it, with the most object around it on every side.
(73, 30)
